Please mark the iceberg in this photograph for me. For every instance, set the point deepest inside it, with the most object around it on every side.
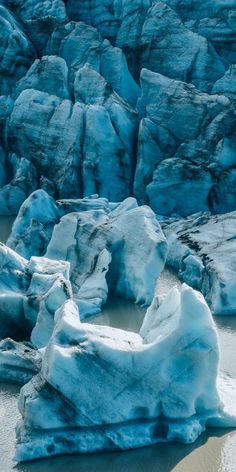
(115, 116)
(19, 362)
(55, 252)
(102, 388)
(202, 252)
(116, 247)
(128, 249)
(30, 293)
(34, 225)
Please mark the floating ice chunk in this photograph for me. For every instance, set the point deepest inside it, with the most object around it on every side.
(123, 249)
(19, 362)
(110, 246)
(102, 388)
(202, 251)
(80, 238)
(30, 293)
(139, 253)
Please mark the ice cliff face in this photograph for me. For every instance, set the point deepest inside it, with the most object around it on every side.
(187, 147)
(70, 77)
(153, 35)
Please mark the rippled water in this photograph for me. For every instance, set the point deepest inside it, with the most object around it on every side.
(214, 451)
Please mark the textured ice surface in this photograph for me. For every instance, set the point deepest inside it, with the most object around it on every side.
(34, 224)
(70, 76)
(110, 246)
(182, 148)
(19, 362)
(30, 291)
(16, 51)
(202, 251)
(39, 18)
(102, 388)
(23, 182)
(130, 241)
(153, 35)
(76, 147)
(79, 44)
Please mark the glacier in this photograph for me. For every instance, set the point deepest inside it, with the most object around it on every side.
(86, 94)
(102, 388)
(183, 149)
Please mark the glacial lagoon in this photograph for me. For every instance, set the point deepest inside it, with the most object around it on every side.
(214, 451)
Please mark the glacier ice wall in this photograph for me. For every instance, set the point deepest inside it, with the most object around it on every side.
(119, 98)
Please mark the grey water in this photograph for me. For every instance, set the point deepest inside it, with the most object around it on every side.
(5, 227)
(214, 451)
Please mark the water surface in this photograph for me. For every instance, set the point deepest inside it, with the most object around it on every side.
(6, 223)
